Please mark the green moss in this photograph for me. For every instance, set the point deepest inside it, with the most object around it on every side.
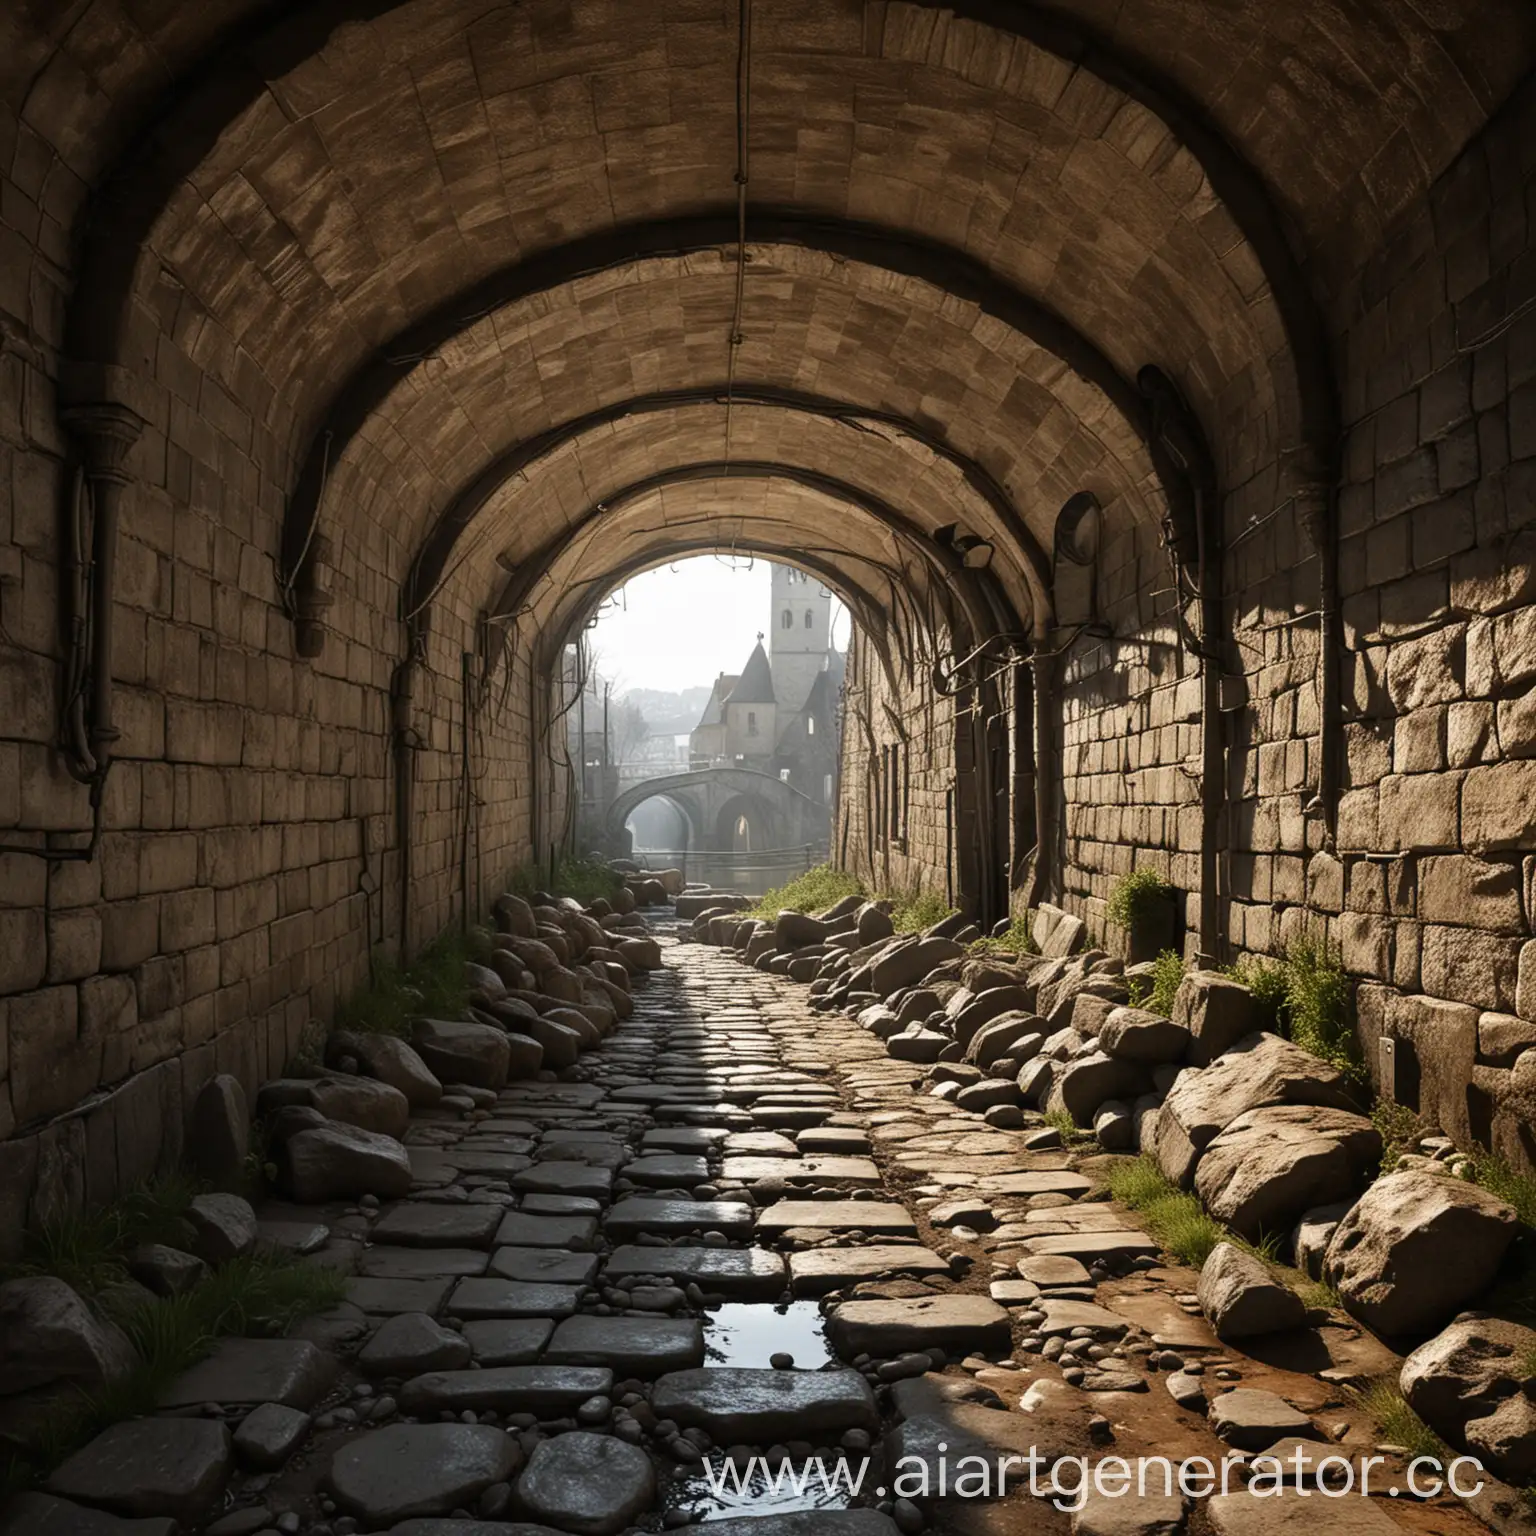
(1137, 896)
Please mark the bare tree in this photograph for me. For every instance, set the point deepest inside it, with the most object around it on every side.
(628, 729)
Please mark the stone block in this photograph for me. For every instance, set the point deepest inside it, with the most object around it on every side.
(1514, 647)
(23, 949)
(1418, 741)
(1517, 725)
(1469, 734)
(1525, 985)
(1358, 822)
(130, 933)
(1365, 944)
(1419, 812)
(1469, 966)
(52, 1069)
(1325, 883)
(74, 944)
(1501, 1037)
(1498, 806)
(1430, 670)
(1471, 892)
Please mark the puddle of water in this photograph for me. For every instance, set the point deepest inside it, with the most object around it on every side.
(748, 1334)
(724, 1492)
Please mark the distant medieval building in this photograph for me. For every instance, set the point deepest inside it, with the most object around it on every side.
(778, 715)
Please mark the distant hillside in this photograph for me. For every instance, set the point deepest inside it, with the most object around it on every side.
(670, 714)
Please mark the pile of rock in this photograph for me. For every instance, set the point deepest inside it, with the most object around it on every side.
(53, 1345)
(1272, 1139)
(558, 981)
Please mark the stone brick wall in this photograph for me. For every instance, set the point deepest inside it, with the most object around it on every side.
(1429, 893)
(925, 858)
(249, 858)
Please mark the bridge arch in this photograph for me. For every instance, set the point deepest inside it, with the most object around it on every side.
(713, 798)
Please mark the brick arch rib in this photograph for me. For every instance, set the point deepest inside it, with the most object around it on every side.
(435, 555)
(206, 101)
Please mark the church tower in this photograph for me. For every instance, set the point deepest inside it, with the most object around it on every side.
(800, 638)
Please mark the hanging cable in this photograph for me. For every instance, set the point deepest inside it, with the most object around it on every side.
(743, 138)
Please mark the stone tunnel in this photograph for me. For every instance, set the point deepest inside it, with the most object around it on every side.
(1155, 384)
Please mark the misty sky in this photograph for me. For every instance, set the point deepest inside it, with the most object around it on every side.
(677, 627)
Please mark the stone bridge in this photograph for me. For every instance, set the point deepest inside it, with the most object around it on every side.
(716, 801)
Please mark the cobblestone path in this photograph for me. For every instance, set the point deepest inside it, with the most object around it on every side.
(737, 1229)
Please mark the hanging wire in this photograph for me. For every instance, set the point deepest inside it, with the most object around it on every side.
(743, 138)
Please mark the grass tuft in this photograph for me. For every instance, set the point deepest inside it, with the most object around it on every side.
(825, 886)
(583, 879)
(432, 985)
(1061, 1120)
(911, 914)
(1176, 1219)
(814, 891)
(1157, 994)
(1494, 1174)
(1316, 1006)
(1399, 1129)
(1398, 1424)
(1016, 941)
(88, 1249)
(260, 1295)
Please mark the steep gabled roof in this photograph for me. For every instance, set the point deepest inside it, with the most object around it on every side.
(718, 695)
(755, 685)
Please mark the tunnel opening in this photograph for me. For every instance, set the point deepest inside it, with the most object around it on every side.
(1157, 408)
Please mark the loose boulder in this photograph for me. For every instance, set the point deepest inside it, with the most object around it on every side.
(796, 930)
(1088, 1081)
(455, 1052)
(1471, 1385)
(1259, 1070)
(359, 1101)
(225, 1227)
(906, 964)
(342, 1162)
(391, 1060)
(1216, 1010)
(1416, 1248)
(1137, 1034)
(1272, 1164)
(219, 1131)
(1242, 1299)
(48, 1337)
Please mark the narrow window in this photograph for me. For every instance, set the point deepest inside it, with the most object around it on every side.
(810, 618)
(751, 722)
(810, 725)
(788, 621)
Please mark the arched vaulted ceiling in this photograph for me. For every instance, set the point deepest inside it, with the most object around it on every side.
(314, 187)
